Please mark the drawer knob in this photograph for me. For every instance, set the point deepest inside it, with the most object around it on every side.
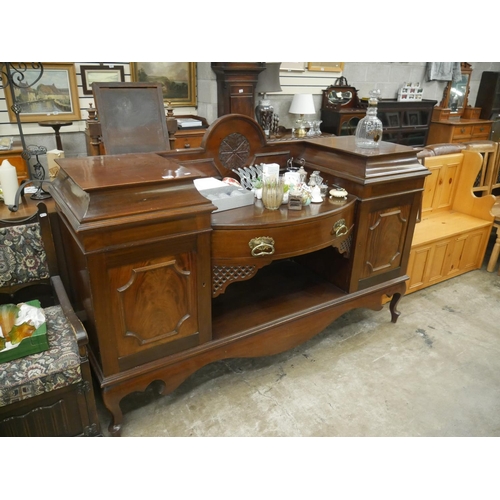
(263, 245)
(462, 130)
(339, 228)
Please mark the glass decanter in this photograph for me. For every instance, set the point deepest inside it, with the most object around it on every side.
(369, 129)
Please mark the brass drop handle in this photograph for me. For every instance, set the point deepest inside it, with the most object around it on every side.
(462, 130)
(187, 145)
(261, 246)
(481, 129)
(339, 228)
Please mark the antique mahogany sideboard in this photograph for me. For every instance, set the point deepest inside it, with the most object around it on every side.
(165, 286)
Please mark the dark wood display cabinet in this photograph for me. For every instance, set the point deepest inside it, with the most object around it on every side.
(166, 286)
(340, 108)
(404, 122)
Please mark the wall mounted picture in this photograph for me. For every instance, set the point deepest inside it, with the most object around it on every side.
(53, 96)
(103, 74)
(177, 79)
(335, 67)
(293, 66)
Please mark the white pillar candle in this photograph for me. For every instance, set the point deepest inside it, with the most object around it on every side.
(8, 182)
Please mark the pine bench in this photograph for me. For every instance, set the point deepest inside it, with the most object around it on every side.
(454, 227)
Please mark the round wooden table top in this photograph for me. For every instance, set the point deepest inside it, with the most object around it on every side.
(54, 123)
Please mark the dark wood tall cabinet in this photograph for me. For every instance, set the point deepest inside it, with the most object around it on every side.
(488, 95)
(236, 82)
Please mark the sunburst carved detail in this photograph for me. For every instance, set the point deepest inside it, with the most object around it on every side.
(234, 151)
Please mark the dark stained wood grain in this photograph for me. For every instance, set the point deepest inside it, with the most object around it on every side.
(141, 253)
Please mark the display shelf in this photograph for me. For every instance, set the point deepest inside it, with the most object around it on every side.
(284, 289)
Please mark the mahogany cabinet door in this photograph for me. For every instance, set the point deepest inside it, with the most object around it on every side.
(150, 301)
(383, 241)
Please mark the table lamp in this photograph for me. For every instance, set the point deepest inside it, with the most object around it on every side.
(268, 81)
(302, 104)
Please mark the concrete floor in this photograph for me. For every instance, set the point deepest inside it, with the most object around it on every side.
(436, 372)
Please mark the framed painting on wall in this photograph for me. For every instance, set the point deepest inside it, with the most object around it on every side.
(177, 79)
(103, 74)
(336, 67)
(293, 66)
(53, 96)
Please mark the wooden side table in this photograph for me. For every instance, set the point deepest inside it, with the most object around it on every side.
(56, 125)
(27, 207)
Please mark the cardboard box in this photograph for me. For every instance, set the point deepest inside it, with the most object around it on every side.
(38, 342)
(52, 156)
(224, 196)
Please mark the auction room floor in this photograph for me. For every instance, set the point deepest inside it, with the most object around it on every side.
(436, 372)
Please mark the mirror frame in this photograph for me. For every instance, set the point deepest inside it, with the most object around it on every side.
(353, 102)
(466, 69)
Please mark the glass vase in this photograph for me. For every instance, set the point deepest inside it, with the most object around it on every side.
(272, 192)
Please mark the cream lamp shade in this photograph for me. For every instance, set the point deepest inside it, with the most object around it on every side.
(302, 104)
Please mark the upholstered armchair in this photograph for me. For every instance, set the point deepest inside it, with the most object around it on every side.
(49, 393)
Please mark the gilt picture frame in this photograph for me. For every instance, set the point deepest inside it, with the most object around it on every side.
(177, 79)
(102, 74)
(53, 95)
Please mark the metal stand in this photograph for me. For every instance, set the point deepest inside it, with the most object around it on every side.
(39, 172)
(14, 75)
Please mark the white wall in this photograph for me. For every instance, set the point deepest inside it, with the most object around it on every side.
(386, 76)
(84, 101)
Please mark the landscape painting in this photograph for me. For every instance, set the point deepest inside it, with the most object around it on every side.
(54, 96)
(177, 80)
(91, 74)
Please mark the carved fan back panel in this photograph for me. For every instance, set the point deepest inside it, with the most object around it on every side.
(234, 151)
(233, 141)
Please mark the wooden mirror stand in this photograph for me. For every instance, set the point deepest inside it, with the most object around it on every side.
(453, 121)
(455, 98)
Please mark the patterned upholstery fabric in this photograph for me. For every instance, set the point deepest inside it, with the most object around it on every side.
(22, 256)
(45, 371)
